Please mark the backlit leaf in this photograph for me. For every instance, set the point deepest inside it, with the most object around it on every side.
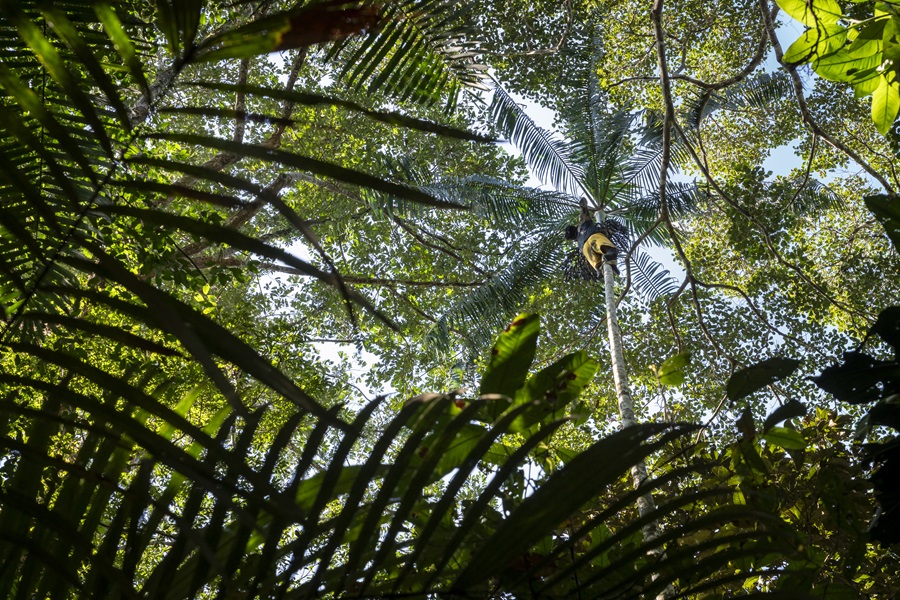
(788, 439)
(755, 377)
(885, 104)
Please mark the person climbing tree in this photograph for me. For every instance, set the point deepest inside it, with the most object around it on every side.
(593, 242)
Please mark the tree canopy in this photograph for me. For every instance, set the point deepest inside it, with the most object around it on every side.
(289, 308)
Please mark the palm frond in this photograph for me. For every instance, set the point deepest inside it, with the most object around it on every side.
(506, 205)
(425, 50)
(643, 170)
(650, 279)
(490, 306)
(758, 91)
(190, 517)
(546, 154)
(810, 196)
(86, 175)
(642, 211)
(600, 142)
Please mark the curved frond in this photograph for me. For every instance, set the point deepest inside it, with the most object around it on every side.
(489, 307)
(758, 91)
(549, 156)
(505, 205)
(424, 50)
(341, 518)
(810, 196)
(650, 279)
(601, 143)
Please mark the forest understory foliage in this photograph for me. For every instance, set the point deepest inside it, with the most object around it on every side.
(289, 309)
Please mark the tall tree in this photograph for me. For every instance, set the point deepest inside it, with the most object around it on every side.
(143, 456)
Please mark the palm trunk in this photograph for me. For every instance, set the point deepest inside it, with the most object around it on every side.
(645, 503)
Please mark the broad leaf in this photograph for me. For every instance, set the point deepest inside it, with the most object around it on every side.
(552, 389)
(753, 378)
(886, 104)
(860, 379)
(887, 210)
(511, 357)
(789, 410)
(789, 439)
(815, 43)
(671, 372)
(812, 13)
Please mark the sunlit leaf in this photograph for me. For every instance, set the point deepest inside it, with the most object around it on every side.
(671, 372)
(885, 104)
(511, 357)
(812, 13)
(789, 439)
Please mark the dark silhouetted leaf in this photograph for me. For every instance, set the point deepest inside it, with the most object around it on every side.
(755, 377)
(887, 327)
(789, 410)
(887, 210)
(860, 378)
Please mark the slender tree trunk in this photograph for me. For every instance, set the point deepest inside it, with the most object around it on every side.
(645, 503)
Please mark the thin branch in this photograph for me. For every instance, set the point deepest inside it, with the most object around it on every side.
(240, 104)
(665, 158)
(768, 17)
(223, 160)
(408, 228)
(743, 74)
(765, 234)
(415, 308)
(244, 214)
(763, 319)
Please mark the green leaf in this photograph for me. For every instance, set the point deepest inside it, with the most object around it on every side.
(868, 39)
(865, 82)
(123, 44)
(788, 439)
(812, 13)
(68, 32)
(395, 118)
(553, 388)
(887, 327)
(671, 372)
(816, 42)
(566, 491)
(885, 104)
(561, 382)
(860, 378)
(844, 66)
(511, 357)
(297, 161)
(454, 452)
(179, 22)
(887, 210)
(753, 378)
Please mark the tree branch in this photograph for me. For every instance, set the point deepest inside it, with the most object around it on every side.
(804, 108)
(225, 159)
